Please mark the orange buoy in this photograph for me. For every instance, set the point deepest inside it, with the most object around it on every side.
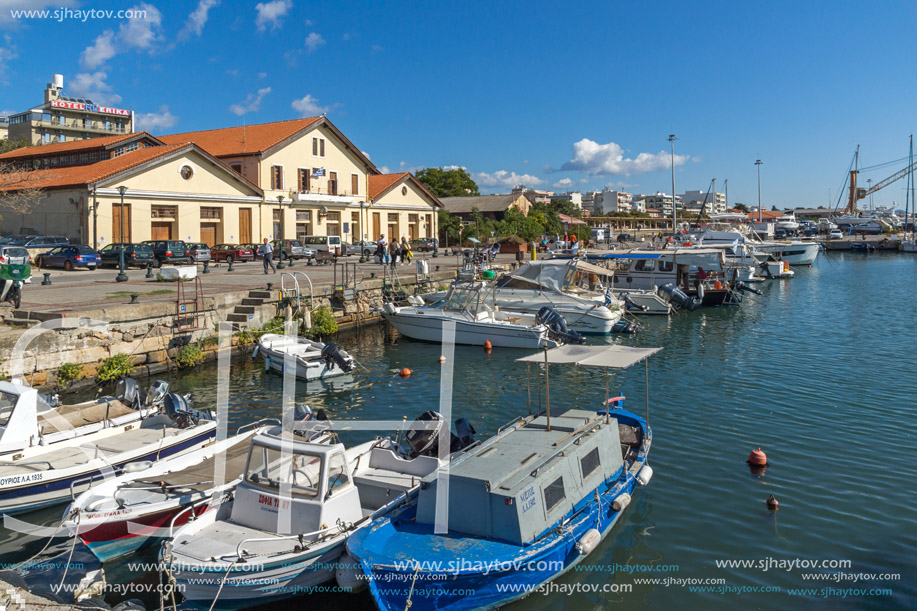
(717, 285)
(488, 346)
(405, 373)
(772, 503)
(757, 458)
(442, 359)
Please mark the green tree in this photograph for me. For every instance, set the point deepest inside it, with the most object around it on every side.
(741, 207)
(480, 226)
(515, 223)
(449, 226)
(448, 183)
(7, 145)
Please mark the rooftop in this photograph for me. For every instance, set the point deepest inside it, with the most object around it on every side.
(484, 203)
(243, 140)
(75, 145)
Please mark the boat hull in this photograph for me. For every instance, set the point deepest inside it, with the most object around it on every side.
(794, 253)
(429, 328)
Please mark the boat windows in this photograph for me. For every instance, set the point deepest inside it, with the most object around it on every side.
(666, 266)
(338, 475)
(458, 298)
(554, 493)
(645, 265)
(7, 404)
(589, 463)
(270, 468)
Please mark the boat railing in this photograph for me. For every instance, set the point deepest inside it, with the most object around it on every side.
(77, 482)
(300, 537)
(509, 424)
(190, 507)
(257, 423)
(163, 488)
(295, 290)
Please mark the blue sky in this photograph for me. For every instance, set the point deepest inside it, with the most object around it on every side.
(571, 96)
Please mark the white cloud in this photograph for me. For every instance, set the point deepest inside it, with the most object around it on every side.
(141, 34)
(99, 52)
(365, 154)
(271, 13)
(7, 19)
(505, 179)
(384, 169)
(251, 104)
(262, 75)
(454, 167)
(313, 41)
(155, 121)
(92, 85)
(309, 107)
(563, 183)
(377, 49)
(7, 53)
(198, 18)
(608, 159)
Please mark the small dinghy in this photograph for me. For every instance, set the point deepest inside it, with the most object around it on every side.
(45, 475)
(122, 514)
(284, 531)
(313, 360)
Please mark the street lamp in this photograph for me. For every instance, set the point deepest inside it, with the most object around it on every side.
(281, 264)
(672, 140)
(758, 163)
(362, 236)
(121, 277)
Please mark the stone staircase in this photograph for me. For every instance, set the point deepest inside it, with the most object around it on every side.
(247, 312)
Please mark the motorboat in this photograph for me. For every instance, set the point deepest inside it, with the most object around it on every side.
(794, 252)
(313, 360)
(523, 508)
(137, 508)
(45, 475)
(788, 222)
(283, 533)
(469, 306)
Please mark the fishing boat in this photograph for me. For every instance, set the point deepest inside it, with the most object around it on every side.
(45, 475)
(313, 360)
(284, 531)
(122, 514)
(523, 508)
(469, 306)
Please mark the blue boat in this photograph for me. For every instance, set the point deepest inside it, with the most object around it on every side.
(523, 508)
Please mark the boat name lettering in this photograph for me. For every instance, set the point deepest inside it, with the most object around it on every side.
(272, 501)
(21, 479)
(527, 499)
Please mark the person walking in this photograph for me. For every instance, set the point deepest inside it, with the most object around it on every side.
(267, 254)
(403, 252)
(393, 251)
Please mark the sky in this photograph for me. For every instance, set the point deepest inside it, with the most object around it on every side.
(571, 96)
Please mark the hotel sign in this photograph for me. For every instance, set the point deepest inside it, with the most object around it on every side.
(90, 108)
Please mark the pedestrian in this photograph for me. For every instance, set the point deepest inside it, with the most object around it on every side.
(380, 253)
(403, 253)
(393, 251)
(267, 254)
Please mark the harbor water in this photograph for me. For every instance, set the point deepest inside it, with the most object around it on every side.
(818, 372)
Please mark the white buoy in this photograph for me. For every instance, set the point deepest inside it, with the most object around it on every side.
(588, 542)
(645, 475)
(307, 319)
(621, 502)
(349, 575)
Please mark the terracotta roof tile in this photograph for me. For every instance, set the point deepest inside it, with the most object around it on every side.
(380, 183)
(765, 214)
(244, 140)
(65, 147)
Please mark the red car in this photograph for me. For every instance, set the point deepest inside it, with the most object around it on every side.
(231, 252)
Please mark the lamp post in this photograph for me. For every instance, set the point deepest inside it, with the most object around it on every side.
(672, 140)
(362, 236)
(758, 163)
(280, 264)
(121, 277)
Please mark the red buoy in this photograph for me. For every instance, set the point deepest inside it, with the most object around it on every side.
(488, 346)
(442, 359)
(757, 458)
(405, 373)
(772, 503)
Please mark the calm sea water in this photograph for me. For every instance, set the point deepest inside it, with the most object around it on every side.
(818, 372)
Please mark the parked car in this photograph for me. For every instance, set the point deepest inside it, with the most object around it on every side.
(780, 234)
(37, 241)
(231, 252)
(323, 243)
(809, 232)
(348, 249)
(138, 255)
(255, 248)
(174, 252)
(69, 257)
(835, 234)
(625, 237)
(199, 252)
(367, 248)
(423, 244)
(292, 249)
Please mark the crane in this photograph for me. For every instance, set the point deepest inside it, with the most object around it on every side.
(857, 194)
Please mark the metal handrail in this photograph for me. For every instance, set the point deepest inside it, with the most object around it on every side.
(255, 424)
(80, 481)
(292, 275)
(239, 549)
(186, 509)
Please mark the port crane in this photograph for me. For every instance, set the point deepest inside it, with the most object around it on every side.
(858, 193)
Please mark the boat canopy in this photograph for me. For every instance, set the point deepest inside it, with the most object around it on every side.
(609, 357)
(555, 274)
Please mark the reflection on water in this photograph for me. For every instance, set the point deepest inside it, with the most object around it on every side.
(817, 372)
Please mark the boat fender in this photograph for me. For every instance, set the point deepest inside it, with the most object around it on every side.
(255, 352)
(137, 466)
(645, 475)
(588, 542)
(388, 308)
(700, 291)
(349, 575)
(621, 502)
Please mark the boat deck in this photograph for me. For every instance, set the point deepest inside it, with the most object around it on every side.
(218, 542)
(200, 476)
(73, 416)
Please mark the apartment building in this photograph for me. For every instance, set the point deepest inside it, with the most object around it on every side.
(715, 202)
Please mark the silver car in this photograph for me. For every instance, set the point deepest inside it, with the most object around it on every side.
(199, 252)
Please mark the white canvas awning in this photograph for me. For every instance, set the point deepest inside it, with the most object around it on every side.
(611, 357)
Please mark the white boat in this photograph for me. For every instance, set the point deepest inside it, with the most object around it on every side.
(470, 307)
(285, 529)
(788, 222)
(122, 514)
(794, 252)
(45, 475)
(314, 360)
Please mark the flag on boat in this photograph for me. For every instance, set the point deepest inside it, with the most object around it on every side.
(608, 297)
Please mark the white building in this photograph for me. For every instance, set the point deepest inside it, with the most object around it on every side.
(716, 202)
(660, 203)
(574, 197)
(612, 202)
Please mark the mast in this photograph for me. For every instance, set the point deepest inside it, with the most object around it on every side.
(909, 195)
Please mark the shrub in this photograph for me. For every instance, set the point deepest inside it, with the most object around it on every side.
(323, 323)
(190, 355)
(512, 239)
(246, 337)
(114, 368)
(210, 340)
(68, 373)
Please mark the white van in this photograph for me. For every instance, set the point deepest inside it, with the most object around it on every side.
(326, 243)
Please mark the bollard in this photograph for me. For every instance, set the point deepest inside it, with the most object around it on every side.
(290, 264)
(134, 297)
(149, 270)
(47, 280)
(229, 269)
(270, 286)
(437, 268)
(206, 267)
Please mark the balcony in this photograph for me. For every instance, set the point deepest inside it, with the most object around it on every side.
(321, 196)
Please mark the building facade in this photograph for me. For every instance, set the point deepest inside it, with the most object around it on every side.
(715, 202)
(574, 197)
(609, 202)
(660, 204)
(64, 119)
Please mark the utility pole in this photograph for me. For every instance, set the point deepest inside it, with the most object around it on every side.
(672, 140)
(758, 163)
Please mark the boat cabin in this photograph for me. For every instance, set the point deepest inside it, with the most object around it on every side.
(521, 483)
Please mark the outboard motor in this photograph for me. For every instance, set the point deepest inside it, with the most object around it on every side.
(677, 297)
(129, 393)
(333, 355)
(424, 441)
(557, 325)
(177, 408)
(157, 393)
(741, 286)
(464, 436)
(631, 305)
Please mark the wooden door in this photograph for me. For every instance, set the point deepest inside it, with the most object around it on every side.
(162, 231)
(245, 225)
(116, 223)
(377, 227)
(209, 233)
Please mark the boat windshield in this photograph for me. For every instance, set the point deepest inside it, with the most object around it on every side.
(460, 297)
(270, 468)
(7, 404)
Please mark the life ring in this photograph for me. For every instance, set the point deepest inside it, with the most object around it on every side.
(718, 285)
